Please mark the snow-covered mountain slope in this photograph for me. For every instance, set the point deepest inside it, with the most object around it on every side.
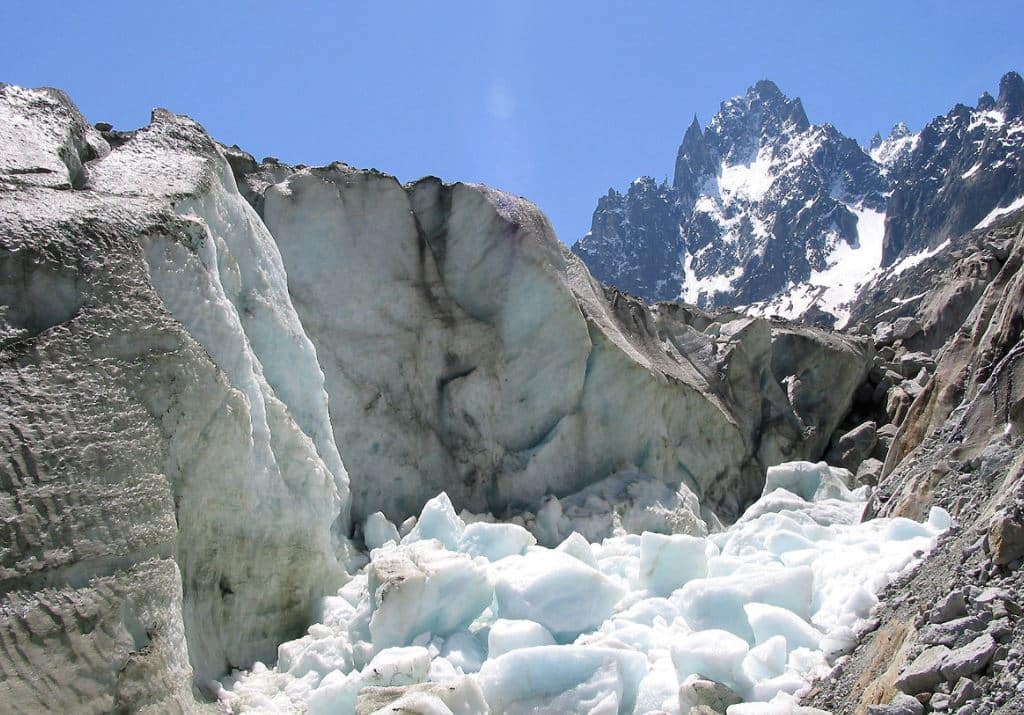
(966, 168)
(786, 218)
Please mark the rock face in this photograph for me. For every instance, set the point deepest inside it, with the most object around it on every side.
(959, 446)
(963, 168)
(784, 217)
(187, 338)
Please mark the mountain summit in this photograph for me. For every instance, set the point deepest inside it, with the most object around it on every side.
(769, 211)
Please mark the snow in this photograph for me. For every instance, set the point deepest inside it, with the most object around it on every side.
(748, 182)
(835, 287)
(893, 148)
(915, 258)
(971, 172)
(991, 119)
(694, 287)
(1001, 211)
(480, 616)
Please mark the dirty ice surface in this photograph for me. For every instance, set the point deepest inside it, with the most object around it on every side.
(466, 618)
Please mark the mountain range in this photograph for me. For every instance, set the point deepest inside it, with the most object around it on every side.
(770, 212)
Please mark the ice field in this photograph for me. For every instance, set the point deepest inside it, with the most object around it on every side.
(464, 615)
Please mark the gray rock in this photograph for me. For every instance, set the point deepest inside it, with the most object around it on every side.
(870, 471)
(953, 605)
(925, 672)
(697, 693)
(884, 333)
(897, 402)
(939, 702)
(952, 633)
(852, 447)
(901, 704)
(1000, 629)
(704, 710)
(969, 659)
(885, 434)
(905, 328)
(964, 691)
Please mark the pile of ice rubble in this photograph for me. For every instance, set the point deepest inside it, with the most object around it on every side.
(465, 618)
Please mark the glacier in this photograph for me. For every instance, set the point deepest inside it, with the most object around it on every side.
(240, 398)
(637, 623)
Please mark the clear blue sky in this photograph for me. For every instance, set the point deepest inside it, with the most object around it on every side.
(552, 100)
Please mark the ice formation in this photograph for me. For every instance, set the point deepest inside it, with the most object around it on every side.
(478, 618)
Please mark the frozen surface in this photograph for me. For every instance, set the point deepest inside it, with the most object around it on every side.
(479, 614)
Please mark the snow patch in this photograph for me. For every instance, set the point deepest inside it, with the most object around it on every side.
(1000, 211)
(914, 259)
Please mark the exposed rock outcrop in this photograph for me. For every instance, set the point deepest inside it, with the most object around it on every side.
(960, 447)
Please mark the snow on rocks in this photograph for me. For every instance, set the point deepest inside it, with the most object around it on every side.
(476, 618)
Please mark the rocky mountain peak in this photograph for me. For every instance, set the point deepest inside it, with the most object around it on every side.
(694, 161)
(773, 213)
(744, 124)
(1011, 95)
(895, 148)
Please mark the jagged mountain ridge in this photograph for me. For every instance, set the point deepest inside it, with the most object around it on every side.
(771, 212)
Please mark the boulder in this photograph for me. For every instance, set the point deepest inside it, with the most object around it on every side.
(1006, 539)
(925, 672)
(697, 692)
(854, 446)
(869, 472)
(901, 704)
(885, 434)
(969, 659)
(952, 605)
(905, 328)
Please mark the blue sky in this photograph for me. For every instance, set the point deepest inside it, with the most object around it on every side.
(556, 101)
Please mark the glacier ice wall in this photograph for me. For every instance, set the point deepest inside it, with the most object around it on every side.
(467, 350)
(173, 498)
(180, 377)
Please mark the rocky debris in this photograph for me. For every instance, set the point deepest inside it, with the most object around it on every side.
(959, 446)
